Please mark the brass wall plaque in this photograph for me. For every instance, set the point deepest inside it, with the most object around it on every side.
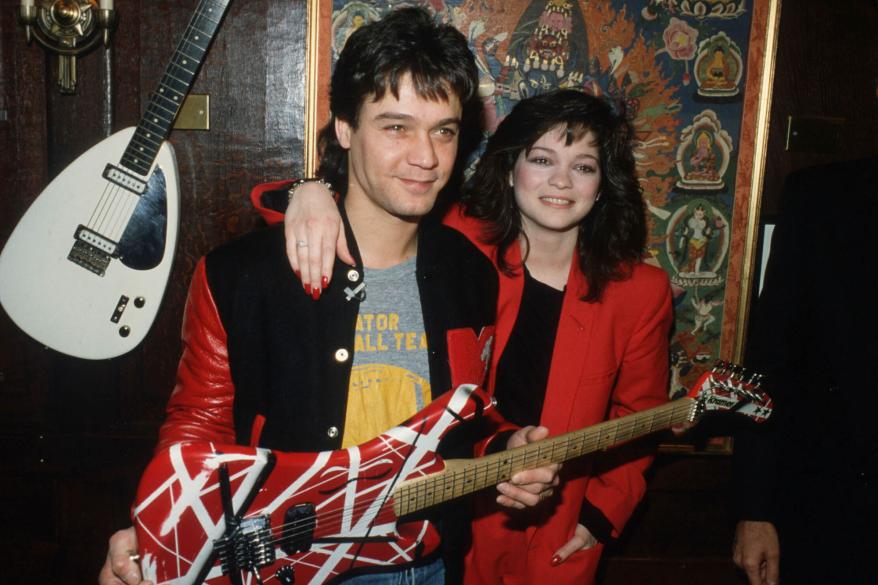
(817, 135)
(194, 113)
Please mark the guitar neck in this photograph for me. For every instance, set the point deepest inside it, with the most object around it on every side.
(164, 104)
(465, 476)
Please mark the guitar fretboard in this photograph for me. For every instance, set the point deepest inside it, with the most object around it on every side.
(465, 476)
(165, 103)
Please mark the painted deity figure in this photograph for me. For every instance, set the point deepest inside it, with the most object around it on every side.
(703, 316)
(694, 240)
(703, 163)
(548, 45)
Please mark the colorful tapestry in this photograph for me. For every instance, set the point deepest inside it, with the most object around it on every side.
(679, 68)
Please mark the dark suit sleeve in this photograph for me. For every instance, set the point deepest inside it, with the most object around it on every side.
(774, 346)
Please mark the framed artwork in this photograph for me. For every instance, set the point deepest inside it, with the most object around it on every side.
(695, 76)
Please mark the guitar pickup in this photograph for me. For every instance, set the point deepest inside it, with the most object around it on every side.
(124, 179)
(92, 251)
(298, 530)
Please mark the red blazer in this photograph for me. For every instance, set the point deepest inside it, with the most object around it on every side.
(610, 359)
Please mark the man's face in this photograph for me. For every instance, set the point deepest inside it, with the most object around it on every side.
(402, 152)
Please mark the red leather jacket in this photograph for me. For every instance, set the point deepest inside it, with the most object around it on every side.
(265, 364)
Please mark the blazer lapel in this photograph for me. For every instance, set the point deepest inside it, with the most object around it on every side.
(572, 344)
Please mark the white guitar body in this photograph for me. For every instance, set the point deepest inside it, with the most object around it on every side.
(85, 269)
(72, 308)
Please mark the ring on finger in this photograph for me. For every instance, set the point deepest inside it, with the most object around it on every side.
(301, 244)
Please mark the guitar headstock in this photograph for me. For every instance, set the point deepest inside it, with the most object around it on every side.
(730, 388)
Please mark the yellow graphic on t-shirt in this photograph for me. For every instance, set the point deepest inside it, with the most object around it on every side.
(380, 332)
(381, 396)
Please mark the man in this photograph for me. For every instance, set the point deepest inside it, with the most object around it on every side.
(807, 483)
(265, 365)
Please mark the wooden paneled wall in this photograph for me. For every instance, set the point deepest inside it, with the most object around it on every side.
(827, 66)
(74, 434)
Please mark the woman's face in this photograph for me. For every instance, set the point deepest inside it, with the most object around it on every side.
(556, 184)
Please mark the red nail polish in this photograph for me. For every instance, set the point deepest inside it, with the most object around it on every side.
(324, 281)
(315, 294)
(556, 560)
(307, 289)
(298, 273)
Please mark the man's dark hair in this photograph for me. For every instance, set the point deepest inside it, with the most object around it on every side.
(612, 236)
(374, 60)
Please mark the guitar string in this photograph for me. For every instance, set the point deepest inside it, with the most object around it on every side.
(108, 194)
(94, 212)
(125, 215)
(330, 522)
(110, 211)
(114, 215)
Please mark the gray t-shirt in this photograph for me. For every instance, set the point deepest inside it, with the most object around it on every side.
(390, 378)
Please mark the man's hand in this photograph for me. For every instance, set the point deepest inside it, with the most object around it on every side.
(528, 488)
(121, 568)
(757, 551)
(314, 235)
(582, 540)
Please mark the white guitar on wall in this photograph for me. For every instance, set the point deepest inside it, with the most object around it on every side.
(85, 269)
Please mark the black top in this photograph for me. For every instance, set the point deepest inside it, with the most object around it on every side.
(523, 371)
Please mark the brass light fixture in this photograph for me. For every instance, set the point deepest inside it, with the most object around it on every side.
(68, 28)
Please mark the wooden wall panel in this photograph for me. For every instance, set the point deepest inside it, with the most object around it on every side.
(827, 66)
(23, 171)
(75, 434)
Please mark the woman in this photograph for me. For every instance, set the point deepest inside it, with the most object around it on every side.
(583, 323)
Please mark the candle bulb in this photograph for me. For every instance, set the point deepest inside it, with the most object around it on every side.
(106, 4)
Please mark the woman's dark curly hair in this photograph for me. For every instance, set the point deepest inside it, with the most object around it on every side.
(612, 236)
(375, 58)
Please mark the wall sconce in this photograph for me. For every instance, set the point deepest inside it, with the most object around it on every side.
(68, 28)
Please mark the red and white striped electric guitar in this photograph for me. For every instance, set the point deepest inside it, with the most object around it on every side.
(218, 514)
(86, 267)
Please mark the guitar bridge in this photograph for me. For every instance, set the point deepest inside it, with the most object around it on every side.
(247, 547)
(92, 251)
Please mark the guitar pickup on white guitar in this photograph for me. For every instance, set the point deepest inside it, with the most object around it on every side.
(92, 251)
(124, 179)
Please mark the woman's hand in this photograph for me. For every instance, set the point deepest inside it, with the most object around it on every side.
(314, 234)
(582, 540)
(531, 487)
